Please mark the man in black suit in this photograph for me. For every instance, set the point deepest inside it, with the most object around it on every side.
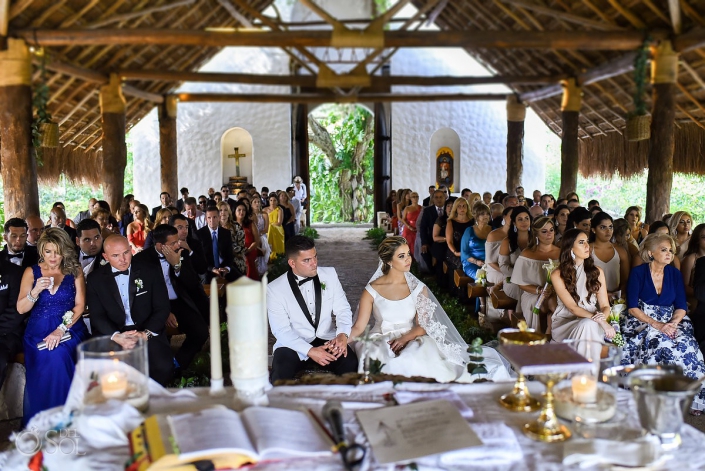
(545, 203)
(11, 322)
(165, 199)
(90, 243)
(218, 248)
(184, 288)
(187, 230)
(425, 229)
(427, 201)
(129, 301)
(16, 249)
(180, 202)
(225, 191)
(57, 218)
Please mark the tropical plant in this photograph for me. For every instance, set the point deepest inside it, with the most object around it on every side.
(376, 235)
(309, 232)
(341, 153)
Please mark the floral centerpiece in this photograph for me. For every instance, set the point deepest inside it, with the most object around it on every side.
(549, 267)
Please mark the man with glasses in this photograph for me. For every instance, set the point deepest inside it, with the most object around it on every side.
(225, 191)
(202, 203)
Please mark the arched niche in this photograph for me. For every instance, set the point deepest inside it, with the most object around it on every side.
(445, 138)
(240, 138)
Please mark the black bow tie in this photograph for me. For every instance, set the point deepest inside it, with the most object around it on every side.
(124, 272)
(17, 255)
(88, 257)
(305, 280)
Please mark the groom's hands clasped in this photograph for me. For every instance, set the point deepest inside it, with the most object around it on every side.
(338, 346)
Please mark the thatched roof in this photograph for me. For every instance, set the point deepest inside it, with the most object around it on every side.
(74, 101)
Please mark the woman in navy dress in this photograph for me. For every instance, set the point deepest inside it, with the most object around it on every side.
(656, 329)
(53, 293)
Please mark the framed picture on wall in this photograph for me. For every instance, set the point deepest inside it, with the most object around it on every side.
(445, 165)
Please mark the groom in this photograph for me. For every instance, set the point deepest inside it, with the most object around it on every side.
(309, 316)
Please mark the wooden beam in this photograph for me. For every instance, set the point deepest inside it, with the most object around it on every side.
(136, 14)
(310, 80)
(239, 17)
(585, 40)
(674, 9)
(620, 65)
(4, 16)
(569, 17)
(693, 39)
(315, 98)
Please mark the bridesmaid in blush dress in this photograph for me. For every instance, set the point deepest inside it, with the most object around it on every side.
(409, 217)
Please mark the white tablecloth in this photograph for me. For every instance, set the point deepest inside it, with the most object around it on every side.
(103, 443)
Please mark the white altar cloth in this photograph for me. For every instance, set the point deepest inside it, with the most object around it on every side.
(104, 442)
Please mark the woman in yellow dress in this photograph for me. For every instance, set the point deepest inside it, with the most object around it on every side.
(275, 234)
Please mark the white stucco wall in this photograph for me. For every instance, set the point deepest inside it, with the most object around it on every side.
(481, 127)
(200, 127)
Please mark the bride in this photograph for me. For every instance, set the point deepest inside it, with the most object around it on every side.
(412, 335)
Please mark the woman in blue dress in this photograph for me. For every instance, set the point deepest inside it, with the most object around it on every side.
(656, 329)
(472, 245)
(53, 293)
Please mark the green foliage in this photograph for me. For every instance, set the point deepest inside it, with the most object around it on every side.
(376, 235)
(640, 79)
(310, 232)
(376, 366)
(277, 268)
(40, 99)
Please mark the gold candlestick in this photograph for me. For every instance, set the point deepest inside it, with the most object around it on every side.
(519, 399)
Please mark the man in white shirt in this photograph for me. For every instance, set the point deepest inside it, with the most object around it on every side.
(300, 191)
(193, 213)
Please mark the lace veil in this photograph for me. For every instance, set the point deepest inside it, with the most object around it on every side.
(433, 318)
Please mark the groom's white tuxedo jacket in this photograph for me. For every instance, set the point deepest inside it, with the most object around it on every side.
(290, 325)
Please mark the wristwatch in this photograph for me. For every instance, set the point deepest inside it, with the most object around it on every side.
(148, 334)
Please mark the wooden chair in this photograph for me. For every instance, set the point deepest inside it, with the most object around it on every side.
(19, 358)
(221, 288)
(476, 290)
(500, 300)
(461, 279)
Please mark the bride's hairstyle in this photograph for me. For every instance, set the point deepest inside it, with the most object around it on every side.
(386, 250)
(65, 248)
(567, 266)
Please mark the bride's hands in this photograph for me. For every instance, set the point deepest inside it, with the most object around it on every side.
(53, 339)
(397, 345)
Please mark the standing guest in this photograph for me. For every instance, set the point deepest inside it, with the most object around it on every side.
(458, 221)
(128, 301)
(262, 221)
(473, 198)
(410, 215)
(225, 191)
(57, 218)
(496, 210)
(190, 244)
(621, 236)
(390, 204)
(583, 304)
(439, 246)
(487, 198)
(182, 201)
(237, 235)
(530, 275)
(517, 240)
(472, 244)
(656, 329)
(297, 209)
(638, 231)
(429, 199)
(289, 215)
(137, 229)
(11, 322)
(426, 223)
(300, 191)
(519, 191)
(242, 217)
(680, 226)
(546, 203)
(174, 265)
(165, 199)
(275, 235)
(17, 251)
(35, 227)
(53, 293)
(87, 213)
(264, 196)
(217, 246)
(696, 249)
(611, 258)
(404, 200)
(197, 216)
(124, 215)
(89, 240)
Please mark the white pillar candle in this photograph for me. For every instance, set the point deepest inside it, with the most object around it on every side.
(113, 385)
(584, 389)
(216, 359)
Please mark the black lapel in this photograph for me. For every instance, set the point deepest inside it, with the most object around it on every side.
(112, 285)
(300, 299)
(317, 288)
(132, 289)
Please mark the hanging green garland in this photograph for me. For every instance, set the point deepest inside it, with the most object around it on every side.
(641, 64)
(40, 100)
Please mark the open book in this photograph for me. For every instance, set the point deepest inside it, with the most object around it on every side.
(225, 437)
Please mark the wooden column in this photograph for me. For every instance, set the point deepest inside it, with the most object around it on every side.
(383, 159)
(19, 167)
(516, 114)
(112, 110)
(664, 72)
(167, 146)
(299, 114)
(570, 107)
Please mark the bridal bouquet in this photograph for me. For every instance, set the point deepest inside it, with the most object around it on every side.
(481, 277)
(549, 267)
(613, 320)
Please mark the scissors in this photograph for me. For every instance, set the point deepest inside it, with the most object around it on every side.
(352, 455)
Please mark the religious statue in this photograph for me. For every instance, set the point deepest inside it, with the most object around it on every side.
(237, 156)
(444, 168)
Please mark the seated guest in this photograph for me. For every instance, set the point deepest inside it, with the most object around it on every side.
(622, 234)
(638, 231)
(580, 218)
(60, 205)
(198, 216)
(163, 216)
(87, 213)
(583, 304)
(546, 204)
(102, 217)
(660, 227)
(696, 249)
(129, 300)
(218, 248)
(165, 199)
(536, 211)
(472, 245)
(680, 225)
(124, 215)
(90, 243)
(11, 321)
(487, 198)
(237, 235)
(612, 259)
(189, 243)
(137, 229)
(312, 327)
(656, 329)
(181, 280)
(492, 245)
(57, 218)
(510, 249)
(48, 292)
(458, 221)
(217, 197)
(35, 227)
(16, 249)
(560, 218)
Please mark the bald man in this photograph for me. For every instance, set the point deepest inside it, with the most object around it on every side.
(129, 301)
(35, 227)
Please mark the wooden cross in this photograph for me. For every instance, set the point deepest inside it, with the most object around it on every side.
(237, 156)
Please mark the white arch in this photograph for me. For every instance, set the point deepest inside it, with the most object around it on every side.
(242, 139)
(445, 137)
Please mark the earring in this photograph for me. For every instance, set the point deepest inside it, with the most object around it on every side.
(515, 228)
(651, 257)
(537, 241)
(572, 254)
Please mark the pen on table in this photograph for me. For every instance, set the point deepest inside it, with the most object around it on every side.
(322, 426)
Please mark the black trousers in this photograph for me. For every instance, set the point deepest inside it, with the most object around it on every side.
(191, 323)
(286, 362)
(159, 357)
(10, 345)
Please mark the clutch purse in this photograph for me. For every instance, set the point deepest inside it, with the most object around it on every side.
(64, 338)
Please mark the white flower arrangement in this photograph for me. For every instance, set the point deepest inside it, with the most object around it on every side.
(139, 284)
(549, 267)
(68, 317)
